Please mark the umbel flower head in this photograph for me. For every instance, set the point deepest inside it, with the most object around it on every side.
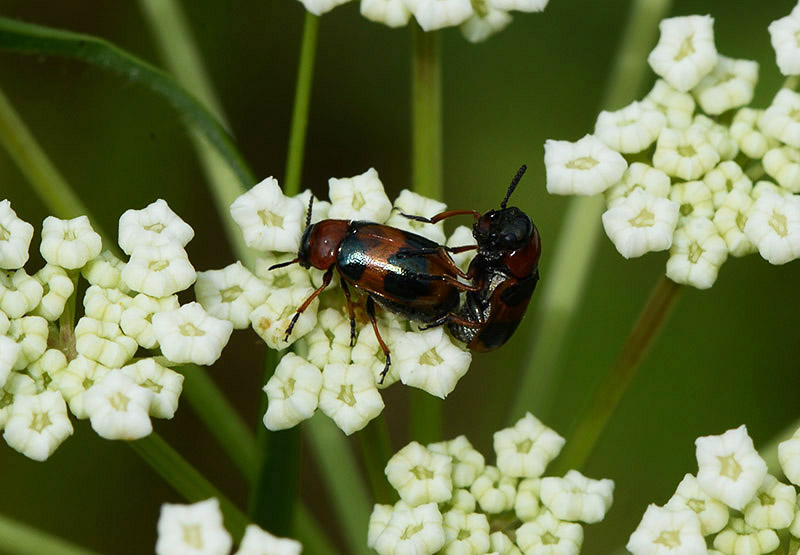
(707, 175)
(450, 500)
(477, 19)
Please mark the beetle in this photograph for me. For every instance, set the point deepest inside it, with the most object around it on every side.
(505, 272)
(406, 273)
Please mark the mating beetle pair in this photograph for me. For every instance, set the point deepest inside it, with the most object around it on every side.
(416, 277)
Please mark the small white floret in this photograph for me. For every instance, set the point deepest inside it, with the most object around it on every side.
(45, 369)
(640, 223)
(105, 304)
(783, 165)
(192, 529)
(17, 384)
(19, 293)
(69, 243)
(105, 270)
(155, 224)
(725, 178)
(713, 514)
(729, 85)
(739, 537)
(436, 14)
(731, 219)
(519, 5)
(57, 288)
(484, 23)
(695, 200)
(30, 333)
(419, 475)
(349, 396)
(576, 497)
(502, 544)
(118, 407)
(729, 467)
(394, 13)
(378, 519)
(685, 51)
(329, 341)
(159, 270)
(136, 321)
(463, 500)
(103, 342)
(585, 167)
(639, 176)
(190, 334)
(259, 542)
(687, 154)
(468, 462)
(430, 361)
(269, 220)
(773, 226)
(697, 253)
(494, 492)
(37, 424)
(293, 392)
(780, 120)
(718, 135)
(676, 105)
(9, 350)
(664, 531)
(526, 504)
(772, 507)
(78, 377)
(461, 237)
(15, 238)
(230, 293)
(789, 457)
(360, 197)
(745, 131)
(466, 533)
(411, 203)
(783, 34)
(549, 536)
(630, 129)
(525, 449)
(412, 530)
(271, 320)
(165, 384)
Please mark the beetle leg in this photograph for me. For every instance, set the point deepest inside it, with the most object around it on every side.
(451, 318)
(371, 314)
(441, 216)
(441, 253)
(350, 311)
(452, 281)
(326, 280)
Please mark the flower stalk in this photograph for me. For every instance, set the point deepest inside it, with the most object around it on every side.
(376, 450)
(18, 538)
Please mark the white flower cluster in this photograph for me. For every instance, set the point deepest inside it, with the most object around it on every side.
(452, 501)
(698, 188)
(326, 371)
(49, 363)
(477, 19)
(732, 503)
(198, 529)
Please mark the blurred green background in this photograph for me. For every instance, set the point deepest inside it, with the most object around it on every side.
(727, 356)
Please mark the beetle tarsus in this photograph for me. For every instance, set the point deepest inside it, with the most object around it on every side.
(385, 368)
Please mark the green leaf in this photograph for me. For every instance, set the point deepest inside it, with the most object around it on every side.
(27, 38)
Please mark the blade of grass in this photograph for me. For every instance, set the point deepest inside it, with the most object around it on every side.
(18, 538)
(310, 533)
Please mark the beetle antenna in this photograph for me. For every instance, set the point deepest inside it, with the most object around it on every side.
(513, 185)
(283, 264)
(308, 214)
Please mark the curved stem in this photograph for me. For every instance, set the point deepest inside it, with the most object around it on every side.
(565, 280)
(594, 419)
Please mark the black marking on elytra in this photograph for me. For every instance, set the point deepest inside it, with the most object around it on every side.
(520, 292)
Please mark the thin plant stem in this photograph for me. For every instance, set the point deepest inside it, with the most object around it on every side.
(18, 538)
(769, 451)
(426, 180)
(182, 56)
(302, 99)
(376, 450)
(564, 280)
(186, 480)
(310, 533)
(615, 383)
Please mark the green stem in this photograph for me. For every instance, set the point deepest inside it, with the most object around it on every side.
(564, 281)
(17, 538)
(426, 416)
(310, 533)
(351, 503)
(594, 419)
(376, 450)
(182, 56)
(769, 451)
(302, 99)
(186, 480)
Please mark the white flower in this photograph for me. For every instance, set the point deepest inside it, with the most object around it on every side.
(773, 226)
(783, 165)
(729, 85)
(468, 463)
(329, 341)
(4, 323)
(685, 51)
(772, 507)
(739, 537)
(230, 293)
(30, 333)
(744, 130)
(463, 500)
(16, 385)
(526, 504)
(525, 449)
(780, 119)
(154, 225)
(45, 369)
(430, 361)
(639, 176)
(641, 223)
(69, 243)
(136, 319)
(695, 200)
(118, 407)
(105, 304)
(319, 7)
(789, 457)
(411, 203)
(190, 334)
(484, 22)
(15, 238)
(19, 293)
(378, 519)
(519, 5)
(268, 219)
(419, 475)
(37, 424)
(78, 377)
(412, 530)
(494, 492)
(105, 270)
(630, 129)
(192, 530)
(783, 35)
(576, 497)
(687, 154)
(9, 350)
(258, 542)
(103, 342)
(165, 384)
(725, 178)
(349, 396)
(546, 535)
(664, 531)
(293, 392)
(159, 270)
(436, 14)
(729, 468)
(271, 320)
(502, 544)
(57, 287)
(320, 210)
(462, 236)
(586, 167)
(393, 13)
(676, 105)
(292, 276)
(696, 254)
(718, 135)
(713, 514)
(465, 533)
(360, 197)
